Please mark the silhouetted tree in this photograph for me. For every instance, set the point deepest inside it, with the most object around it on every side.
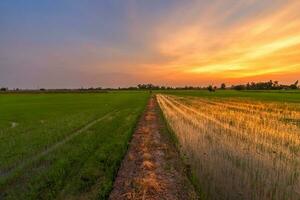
(295, 85)
(239, 87)
(211, 88)
(269, 85)
(148, 86)
(223, 86)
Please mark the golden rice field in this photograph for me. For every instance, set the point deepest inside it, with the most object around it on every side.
(237, 148)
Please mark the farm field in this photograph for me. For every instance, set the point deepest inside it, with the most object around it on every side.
(292, 96)
(64, 146)
(240, 145)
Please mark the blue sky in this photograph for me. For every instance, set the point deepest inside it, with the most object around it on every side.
(74, 43)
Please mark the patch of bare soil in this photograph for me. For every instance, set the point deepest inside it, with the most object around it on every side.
(152, 168)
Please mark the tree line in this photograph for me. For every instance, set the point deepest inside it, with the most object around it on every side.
(269, 85)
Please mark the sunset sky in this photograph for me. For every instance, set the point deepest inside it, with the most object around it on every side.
(111, 43)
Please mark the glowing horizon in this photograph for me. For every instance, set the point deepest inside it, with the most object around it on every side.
(174, 43)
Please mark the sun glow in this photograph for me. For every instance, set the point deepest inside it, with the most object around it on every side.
(258, 46)
(178, 43)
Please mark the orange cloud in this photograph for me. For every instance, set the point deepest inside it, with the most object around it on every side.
(261, 44)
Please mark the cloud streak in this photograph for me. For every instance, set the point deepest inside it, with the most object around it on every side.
(264, 43)
(169, 42)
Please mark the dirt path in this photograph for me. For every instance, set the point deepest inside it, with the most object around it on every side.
(152, 168)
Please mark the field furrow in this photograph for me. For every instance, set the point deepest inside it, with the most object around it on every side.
(238, 151)
(20, 165)
(65, 146)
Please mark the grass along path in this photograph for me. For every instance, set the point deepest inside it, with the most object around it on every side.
(152, 168)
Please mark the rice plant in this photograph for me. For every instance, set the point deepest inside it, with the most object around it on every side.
(238, 149)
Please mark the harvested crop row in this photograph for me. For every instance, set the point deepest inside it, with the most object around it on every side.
(238, 154)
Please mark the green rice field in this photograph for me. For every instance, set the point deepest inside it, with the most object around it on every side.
(64, 146)
(70, 145)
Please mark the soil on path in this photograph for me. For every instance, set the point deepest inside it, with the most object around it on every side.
(152, 168)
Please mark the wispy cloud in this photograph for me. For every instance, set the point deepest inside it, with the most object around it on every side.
(213, 42)
(170, 42)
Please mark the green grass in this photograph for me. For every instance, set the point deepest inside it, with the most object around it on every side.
(292, 96)
(43, 156)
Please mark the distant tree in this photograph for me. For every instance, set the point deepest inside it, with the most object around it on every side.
(295, 85)
(223, 86)
(3, 89)
(132, 88)
(239, 87)
(211, 88)
(140, 86)
(248, 86)
(148, 87)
